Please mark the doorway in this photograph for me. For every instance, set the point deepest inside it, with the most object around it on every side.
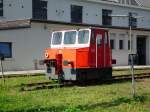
(141, 50)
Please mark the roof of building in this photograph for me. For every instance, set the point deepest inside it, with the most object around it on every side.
(111, 1)
(87, 25)
(144, 3)
(4, 25)
(141, 3)
(19, 24)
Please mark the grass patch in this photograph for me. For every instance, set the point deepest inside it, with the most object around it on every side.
(128, 71)
(100, 98)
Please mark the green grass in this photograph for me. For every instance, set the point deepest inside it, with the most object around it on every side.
(128, 71)
(100, 98)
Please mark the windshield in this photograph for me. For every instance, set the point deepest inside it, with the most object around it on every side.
(57, 37)
(70, 37)
(83, 37)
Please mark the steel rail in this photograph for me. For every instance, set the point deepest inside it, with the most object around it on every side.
(50, 85)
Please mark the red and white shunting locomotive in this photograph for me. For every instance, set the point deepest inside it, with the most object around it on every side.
(77, 55)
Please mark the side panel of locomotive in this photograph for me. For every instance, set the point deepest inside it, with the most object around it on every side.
(99, 62)
(81, 61)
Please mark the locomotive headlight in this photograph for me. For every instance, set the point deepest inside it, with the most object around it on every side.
(46, 55)
(65, 63)
(60, 51)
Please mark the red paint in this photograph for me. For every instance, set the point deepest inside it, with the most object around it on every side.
(59, 63)
(84, 57)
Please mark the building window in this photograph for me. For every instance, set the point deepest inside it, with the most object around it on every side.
(112, 40)
(106, 18)
(112, 44)
(6, 49)
(76, 14)
(128, 44)
(132, 20)
(121, 44)
(1, 7)
(39, 9)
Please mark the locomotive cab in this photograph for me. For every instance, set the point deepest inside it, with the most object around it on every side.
(83, 54)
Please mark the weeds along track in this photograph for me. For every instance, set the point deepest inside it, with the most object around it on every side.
(50, 85)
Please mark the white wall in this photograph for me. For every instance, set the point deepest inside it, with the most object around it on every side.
(121, 56)
(92, 12)
(17, 9)
(28, 44)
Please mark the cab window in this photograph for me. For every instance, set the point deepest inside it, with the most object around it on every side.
(57, 38)
(83, 37)
(70, 37)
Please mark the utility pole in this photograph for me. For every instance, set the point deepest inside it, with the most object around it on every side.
(131, 54)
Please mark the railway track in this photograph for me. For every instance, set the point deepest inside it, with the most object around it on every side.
(137, 76)
(22, 75)
(42, 74)
(43, 85)
(50, 85)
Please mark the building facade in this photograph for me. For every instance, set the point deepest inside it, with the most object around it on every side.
(31, 41)
(75, 11)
